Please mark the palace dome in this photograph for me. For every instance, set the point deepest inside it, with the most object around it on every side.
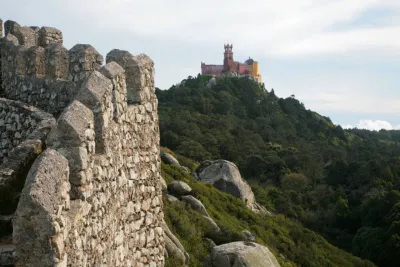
(250, 61)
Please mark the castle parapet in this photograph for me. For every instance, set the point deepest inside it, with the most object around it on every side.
(93, 197)
(38, 70)
(33, 36)
(139, 72)
(103, 155)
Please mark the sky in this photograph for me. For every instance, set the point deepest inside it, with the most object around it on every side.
(340, 58)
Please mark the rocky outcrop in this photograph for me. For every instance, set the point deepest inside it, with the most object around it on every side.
(198, 206)
(214, 228)
(241, 254)
(257, 208)
(195, 204)
(179, 188)
(211, 83)
(174, 247)
(169, 159)
(163, 184)
(210, 243)
(171, 198)
(225, 176)
(249, 236)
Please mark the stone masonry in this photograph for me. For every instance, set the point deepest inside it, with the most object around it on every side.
(91, 190)
(39, 71)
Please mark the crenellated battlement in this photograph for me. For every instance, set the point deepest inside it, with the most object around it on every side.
(37, 69)
(93, 196)
(33, 36)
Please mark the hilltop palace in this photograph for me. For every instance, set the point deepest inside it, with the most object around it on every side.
(230, 67)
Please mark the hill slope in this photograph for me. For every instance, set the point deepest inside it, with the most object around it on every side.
(341, 183)
(292, 244)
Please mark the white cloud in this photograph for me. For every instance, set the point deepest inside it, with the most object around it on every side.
(373, 125)
(268, 30)
(273, 28)
(342, 91)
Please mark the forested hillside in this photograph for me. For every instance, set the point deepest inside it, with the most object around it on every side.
(292, 245)
(341, 183)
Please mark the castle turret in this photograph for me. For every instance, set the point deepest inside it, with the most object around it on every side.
(229, 64)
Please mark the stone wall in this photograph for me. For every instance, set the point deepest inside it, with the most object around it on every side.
(23, 129)
(20, 122)
(37, 70)
(93, 198)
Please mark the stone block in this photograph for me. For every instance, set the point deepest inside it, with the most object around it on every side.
(93, 90)
(72, 127)
(40, 200)
(139, 74)
(94, 94)
(111, 70)
(35, 61)
(10, 27)
(20, 59)
(57, 61)
(83, 60)
(116, 73)
(49, 35)
(26, 36)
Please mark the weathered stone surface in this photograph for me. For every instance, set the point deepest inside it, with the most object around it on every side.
(46, 191)
(13, 173)
(38, 70)
(49, 35)
(57, 61)
(242, 254)
(186, 169)
(163, 184)
(225, 176)
(179, 188)
(112, 70)
(96, 89)
(169, 159)
(257, 208)
(108, 210)
(139, 72)
(6, 255)
(20, 122)
(23, 129)
(211, 83)
(171, 198)
(195, 204)
(213, 225)
(116, 73)
(174, 246)
(210, 243)
(71, 127)
(249, 236)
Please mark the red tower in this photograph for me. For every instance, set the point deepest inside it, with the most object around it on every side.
(229, 64)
